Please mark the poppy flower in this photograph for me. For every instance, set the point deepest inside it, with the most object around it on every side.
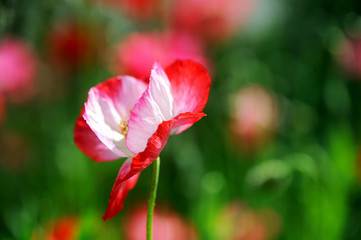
(125, 117)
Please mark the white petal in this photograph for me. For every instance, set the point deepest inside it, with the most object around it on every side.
(107, 105)
(154, 107)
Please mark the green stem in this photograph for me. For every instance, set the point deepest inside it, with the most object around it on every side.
(152, 196)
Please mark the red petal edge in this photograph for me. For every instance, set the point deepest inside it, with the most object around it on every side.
(185, 120)
(89, 143)
(120, 190)
(190, 85)
(131, 168)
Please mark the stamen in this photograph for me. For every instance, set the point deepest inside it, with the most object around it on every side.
(123, 125)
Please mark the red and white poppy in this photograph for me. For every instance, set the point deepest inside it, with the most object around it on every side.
(125, 117)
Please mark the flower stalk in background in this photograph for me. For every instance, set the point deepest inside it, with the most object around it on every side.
(125, 117)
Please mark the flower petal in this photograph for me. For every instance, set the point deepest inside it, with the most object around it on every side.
(190, 85)
(185, 120)
(132, 168)
(89, 143)
(154, 107)
(107, 106)
(154, 146)
(120, 190)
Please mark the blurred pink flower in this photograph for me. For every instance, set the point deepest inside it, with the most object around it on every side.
(71, 45)
(136, 54)
(66, 228)
(254, 117)
(237, 222)
(211, 19)
(349, 53)
(141, 9)
(125, 117)
(17, 69)
(166, 225)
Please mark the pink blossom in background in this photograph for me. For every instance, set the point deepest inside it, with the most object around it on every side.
(136, 53)
(140, 9)
(214, 20)
(17, 69)
(72, 45)
(126, 118)
(349, 54)
(254, 115)
(237, 222)
(66, 228)
(166, 225)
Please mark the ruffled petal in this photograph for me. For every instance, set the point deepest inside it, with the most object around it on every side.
(154, 107)
(109, 104)
(89, 143)
(133, 167)
(185, 120)
(190, 85)
(120, 190)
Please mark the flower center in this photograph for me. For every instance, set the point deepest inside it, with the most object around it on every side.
(123, 125)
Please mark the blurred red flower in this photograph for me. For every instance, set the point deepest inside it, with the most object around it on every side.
(254, 117)
(66, 228)
(136, 54)
(17, 69)
(237, 222)
(125, 117)
(72, 45)
(166, 225)
(211, 19)
(349, 53)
